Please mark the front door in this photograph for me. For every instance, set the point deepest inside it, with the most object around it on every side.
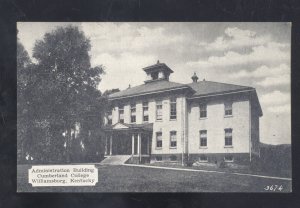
(121, 144)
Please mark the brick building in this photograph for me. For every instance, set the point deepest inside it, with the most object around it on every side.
(202, 121)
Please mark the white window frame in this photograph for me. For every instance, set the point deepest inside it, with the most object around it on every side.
(172, 139)
(228, 136)
(156, 139)
(225, 160)
(133, 112)
(228, 109)
(121, 115)
(174, 104)
(202, 108)
(159, 116)
(173, 156)
(145, 111)
(158, 156)
(204, 161)
(203, 136)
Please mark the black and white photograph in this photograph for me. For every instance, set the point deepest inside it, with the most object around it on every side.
(154, 107)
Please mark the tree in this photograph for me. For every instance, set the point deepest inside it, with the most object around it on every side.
(24, 123)
(108, 92)
(64, 90)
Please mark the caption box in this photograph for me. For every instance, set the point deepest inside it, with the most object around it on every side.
(63, 175)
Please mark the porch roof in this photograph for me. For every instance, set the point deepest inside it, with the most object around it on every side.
(129, 127)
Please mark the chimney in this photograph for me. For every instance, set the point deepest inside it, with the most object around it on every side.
(195, 77)
(129, 86)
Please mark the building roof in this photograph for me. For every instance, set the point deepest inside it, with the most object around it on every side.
(199, 88)
(209, 88)
(157, 67)
(148, 88)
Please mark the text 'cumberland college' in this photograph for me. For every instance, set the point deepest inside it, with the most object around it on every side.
(59, 175)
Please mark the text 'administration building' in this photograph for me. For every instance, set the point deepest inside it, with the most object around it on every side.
(166, 121)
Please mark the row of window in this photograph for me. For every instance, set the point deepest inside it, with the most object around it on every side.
(159, 111)
(202, 158)
(173, 139)
(227, 109)
(172, 158)
(228, 137)
(227, 158)
(203, 138)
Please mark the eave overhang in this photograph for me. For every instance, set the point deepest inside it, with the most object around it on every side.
(151, 93)
(248, 90)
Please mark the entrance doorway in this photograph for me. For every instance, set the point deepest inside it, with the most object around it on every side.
(121, 144)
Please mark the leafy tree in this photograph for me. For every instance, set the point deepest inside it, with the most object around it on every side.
(64, 92)
(108, 92)
(24, 123)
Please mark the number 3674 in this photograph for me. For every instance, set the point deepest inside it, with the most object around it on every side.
(274, 188)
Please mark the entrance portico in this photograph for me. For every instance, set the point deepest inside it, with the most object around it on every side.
(129, 139)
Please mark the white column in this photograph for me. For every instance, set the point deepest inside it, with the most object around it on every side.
(132, 144)
(139, 146)
(110, 145)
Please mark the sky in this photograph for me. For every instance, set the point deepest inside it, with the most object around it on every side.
(251, 54)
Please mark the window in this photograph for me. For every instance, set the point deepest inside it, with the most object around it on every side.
(159, 110)
(132, 113)
(228, 158)
(203, 158)
(173, 158)
(228, 109)
(158, 158)
(173, 140)
(121, 114)
(154, 75)
(145, 112)
(173, 108)
(203, 110)
(228, 137)
(203, 138)
(159, 139)
(109, 118)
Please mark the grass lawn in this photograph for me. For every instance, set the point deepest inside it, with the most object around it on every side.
(140, 179)
(235, 169)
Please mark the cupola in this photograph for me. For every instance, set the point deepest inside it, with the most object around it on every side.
(158, 71)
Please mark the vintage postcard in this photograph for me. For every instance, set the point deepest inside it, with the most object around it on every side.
(154, 107)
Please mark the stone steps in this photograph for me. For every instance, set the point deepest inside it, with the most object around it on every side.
(115, 160)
